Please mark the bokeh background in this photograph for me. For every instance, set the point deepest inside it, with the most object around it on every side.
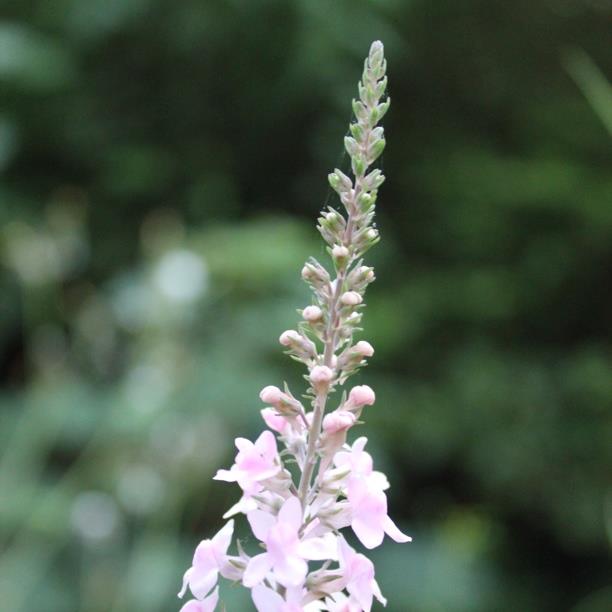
(161, 167)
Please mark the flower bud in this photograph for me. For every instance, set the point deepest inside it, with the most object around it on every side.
(290, 337)
(376, 55)
(321, 375)
(340, 252)
(351, 146)
(374, 180)
(339, 420)
(271, 395)
(351, 298)
(361, 395)
(340, 255)
(366, 200)
(363, 348)
(313, 272)
(312, 314)
(376, 149)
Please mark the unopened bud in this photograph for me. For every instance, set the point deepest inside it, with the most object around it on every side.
(361, 396)
(321, 375)
(312, 314)
(351, 298)
(290, 337)
(339, 420)
(364, 348)
(271, 395)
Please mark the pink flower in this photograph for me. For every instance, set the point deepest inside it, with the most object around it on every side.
(253, 463)
(209, 558)
(366, 497)
(285, 554)
(208, 604)
(361, 395)
(359, 579)
(357, 459)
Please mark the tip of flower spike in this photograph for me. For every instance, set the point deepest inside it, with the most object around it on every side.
(376, 55)
(376, 46)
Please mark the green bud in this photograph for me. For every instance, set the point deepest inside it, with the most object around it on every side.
(380, 88)
(357, 131)
(351, 146)
(376, 55)
(359, 166)
(360, 110)
(376, 149)
(366, 200)
(382, 108)
(334, 181)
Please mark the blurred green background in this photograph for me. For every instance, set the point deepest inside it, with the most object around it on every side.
(161, 166)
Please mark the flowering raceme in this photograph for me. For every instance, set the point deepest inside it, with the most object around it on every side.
(306, 564)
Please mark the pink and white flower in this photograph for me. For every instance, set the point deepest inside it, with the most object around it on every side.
(366, 497)
(209, 559)
(285, 554)
(254, 463)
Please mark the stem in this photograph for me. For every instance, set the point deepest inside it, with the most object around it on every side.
(320, 401)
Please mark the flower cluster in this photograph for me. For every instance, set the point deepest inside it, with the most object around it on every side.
(307, 564)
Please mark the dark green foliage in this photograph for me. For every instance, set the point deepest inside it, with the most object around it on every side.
(134, 130)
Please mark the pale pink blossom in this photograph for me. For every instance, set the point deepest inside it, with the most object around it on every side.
(208, 604)
(358, 575)
(209, 559)
(366, 497)
(285, 554)
(254, 463)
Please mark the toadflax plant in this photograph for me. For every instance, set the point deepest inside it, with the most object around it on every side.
(298, 516)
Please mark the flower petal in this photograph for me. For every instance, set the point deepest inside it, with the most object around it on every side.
(393, 532)
(260, 523)
(291, 513)
(223, 538)
(267, 600)
(291, 571)
(210, 603)
(370, 533)
(200, 583)
(256, 570)
(319, 549)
